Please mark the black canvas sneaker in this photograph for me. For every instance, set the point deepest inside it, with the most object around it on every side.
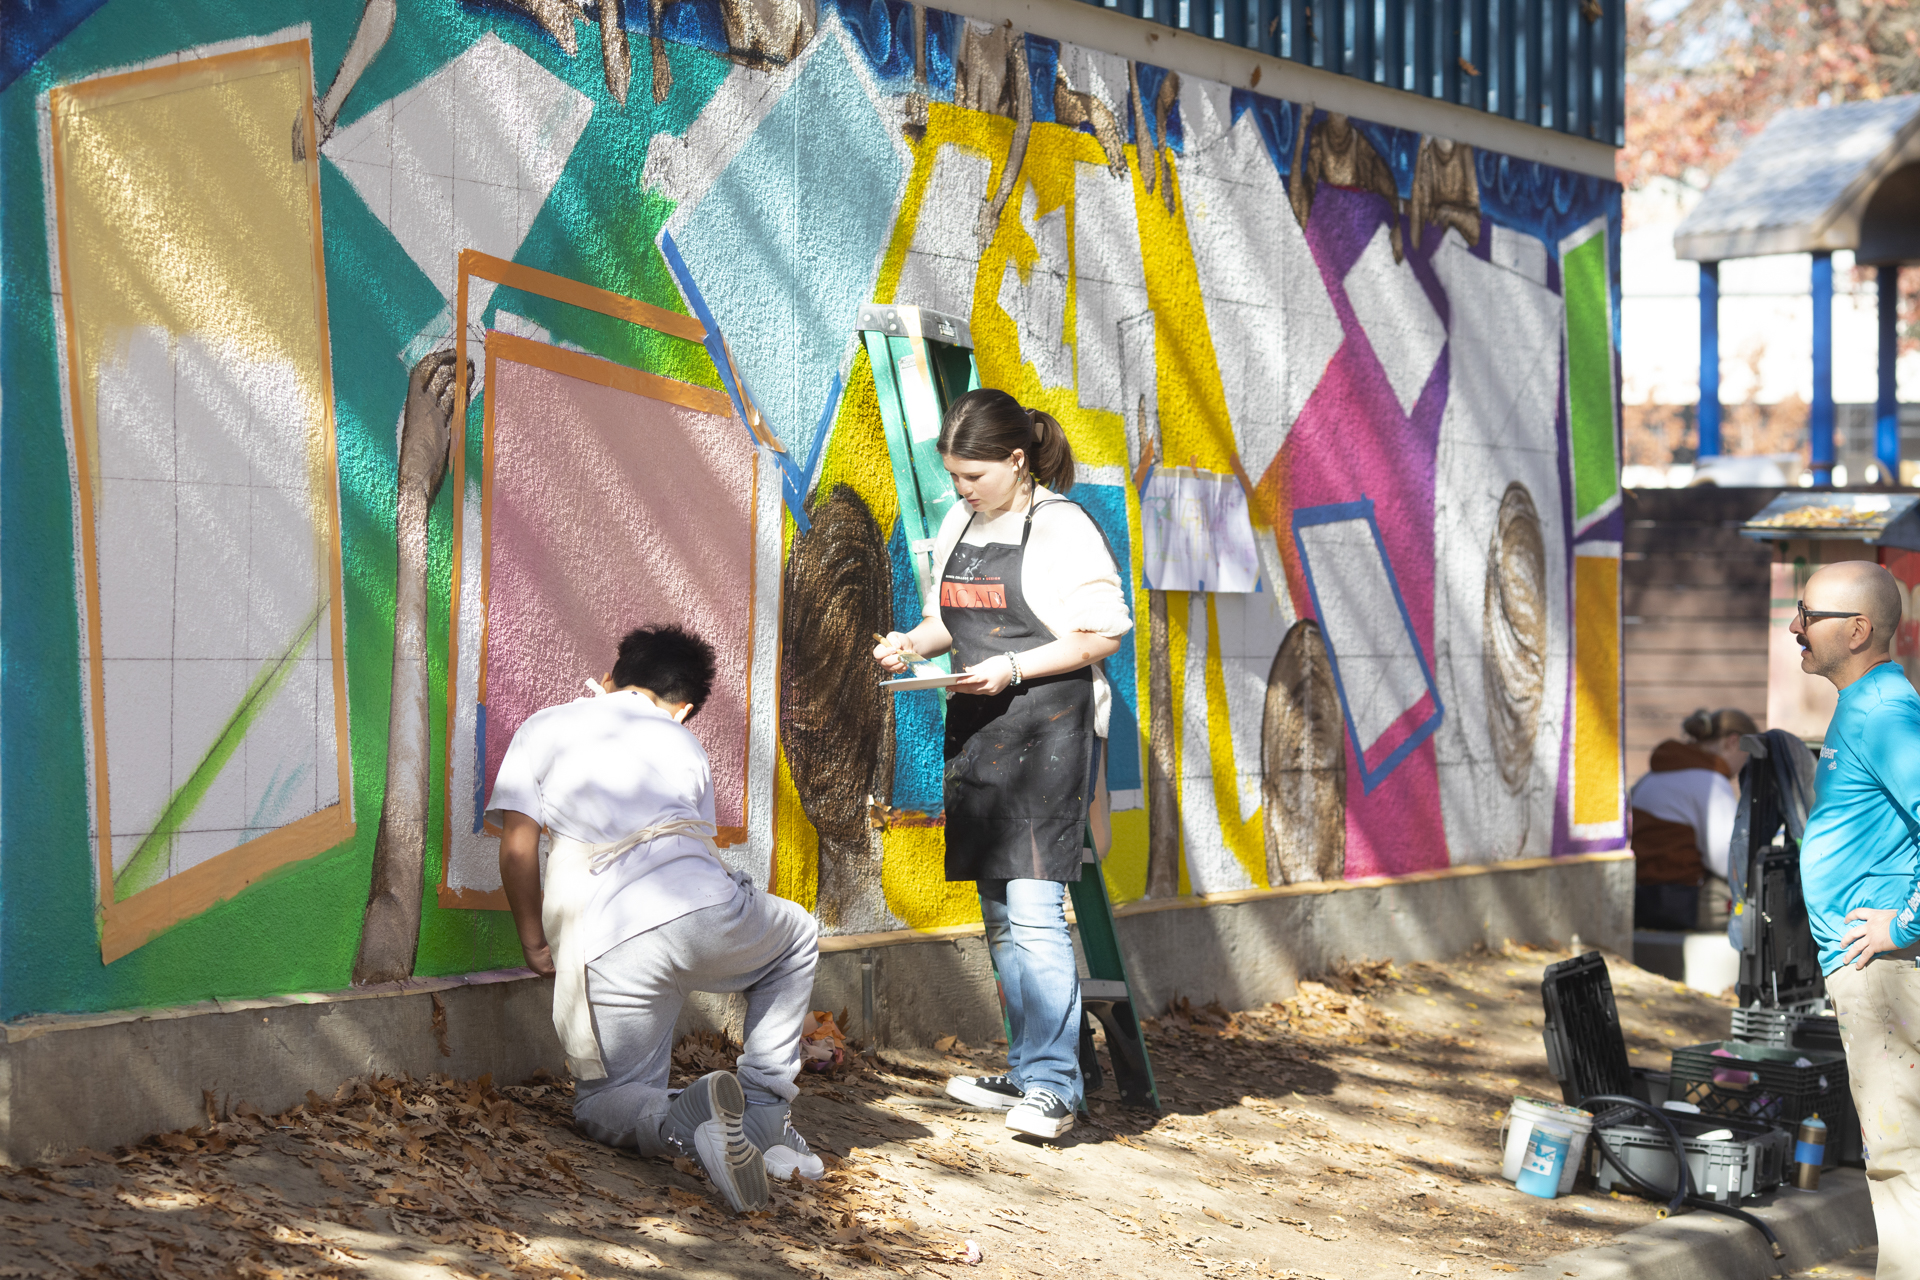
(995, 1093)
(1040, 1114)
(704, 1121)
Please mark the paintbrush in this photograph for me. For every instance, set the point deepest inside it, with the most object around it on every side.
(912, 657)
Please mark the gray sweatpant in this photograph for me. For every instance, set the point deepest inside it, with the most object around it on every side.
(755, 943)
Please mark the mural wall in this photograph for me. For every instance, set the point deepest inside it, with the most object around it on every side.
(1343, 395)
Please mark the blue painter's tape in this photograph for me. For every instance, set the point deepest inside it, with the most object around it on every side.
(715, 344)
(1334, 513)
(820, 434)
(792, 485)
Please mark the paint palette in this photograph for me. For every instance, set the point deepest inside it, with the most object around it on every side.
(923, 676)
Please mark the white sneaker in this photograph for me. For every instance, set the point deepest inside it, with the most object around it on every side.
(994, 1093)
(704, 1121)
(770, 1128)
(1041, 1114)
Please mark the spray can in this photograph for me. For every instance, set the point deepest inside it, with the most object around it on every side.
(1810, 1151)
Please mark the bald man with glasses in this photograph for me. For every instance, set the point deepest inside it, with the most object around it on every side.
(1860, 871)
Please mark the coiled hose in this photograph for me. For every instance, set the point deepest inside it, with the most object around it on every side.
(1684, 1193)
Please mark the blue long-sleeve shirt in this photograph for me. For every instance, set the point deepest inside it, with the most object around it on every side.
(1862, 844)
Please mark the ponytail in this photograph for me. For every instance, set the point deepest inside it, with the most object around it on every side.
(988, 425)
(1051, 456)
(1706, 726)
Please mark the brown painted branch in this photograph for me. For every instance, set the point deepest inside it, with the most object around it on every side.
(1163, 787)
(390, 930)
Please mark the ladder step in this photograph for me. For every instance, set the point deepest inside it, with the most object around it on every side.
(1103, 989)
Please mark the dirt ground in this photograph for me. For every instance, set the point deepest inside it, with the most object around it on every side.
(1349, 1132)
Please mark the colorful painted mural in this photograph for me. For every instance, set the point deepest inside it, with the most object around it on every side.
(1343, 396)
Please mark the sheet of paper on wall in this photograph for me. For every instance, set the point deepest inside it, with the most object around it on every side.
(1197, 533)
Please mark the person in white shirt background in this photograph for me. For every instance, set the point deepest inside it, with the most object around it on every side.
(1683, 812)
(1028, 599)
(633, 910)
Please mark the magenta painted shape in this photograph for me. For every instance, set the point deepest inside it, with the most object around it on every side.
(609, 511)
(1352, 441)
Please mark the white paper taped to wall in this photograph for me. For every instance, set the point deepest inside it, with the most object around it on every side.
(1197, 532)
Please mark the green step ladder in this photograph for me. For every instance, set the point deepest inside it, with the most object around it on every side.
(923, 361)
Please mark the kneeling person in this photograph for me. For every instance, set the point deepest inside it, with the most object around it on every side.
(634, 909)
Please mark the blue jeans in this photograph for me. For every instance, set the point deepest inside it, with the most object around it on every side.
(1027, 936)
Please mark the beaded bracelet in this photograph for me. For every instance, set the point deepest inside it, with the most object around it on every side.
(1015, 664)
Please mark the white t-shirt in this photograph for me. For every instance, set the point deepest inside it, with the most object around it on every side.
(1698, 798)
(1067, 576)
(600, 769)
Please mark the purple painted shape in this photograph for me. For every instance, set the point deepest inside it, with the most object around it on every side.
(607, 511)
(1353, 439)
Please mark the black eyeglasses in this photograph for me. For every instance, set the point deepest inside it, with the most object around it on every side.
(1810, 616)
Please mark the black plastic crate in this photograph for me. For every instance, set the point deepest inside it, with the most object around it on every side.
(1780, 966)
(1585, 1051)
(1754, 1159)
(1778, 1092)
(1787, 1029)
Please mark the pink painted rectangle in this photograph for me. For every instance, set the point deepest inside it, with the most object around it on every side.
(607, 510)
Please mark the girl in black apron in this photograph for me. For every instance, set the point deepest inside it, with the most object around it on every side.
(1021, 744)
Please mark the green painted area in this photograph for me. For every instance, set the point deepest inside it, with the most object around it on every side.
(1590, 409)
(296, 929)
(148, 865)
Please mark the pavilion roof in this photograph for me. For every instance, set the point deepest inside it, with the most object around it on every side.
(1802, 184)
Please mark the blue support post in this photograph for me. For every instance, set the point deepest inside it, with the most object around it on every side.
(1330, 25)
(1394, 45)
(1886, 409)
(1299, 46)
(1533, 97)
(1480, 54)
(1366, 32)
(1234, 21)
(1506, 64)
(1709, 444)
(1820, 425)
(1559, 86)
(1266, 22)
(1450, 50)
(1425, 55)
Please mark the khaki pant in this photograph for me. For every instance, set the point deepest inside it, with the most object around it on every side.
(1879, 1010)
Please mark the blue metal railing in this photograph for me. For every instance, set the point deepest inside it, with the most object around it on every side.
(1557, 64)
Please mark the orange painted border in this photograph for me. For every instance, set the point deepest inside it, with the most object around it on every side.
(129, 924)
(605, 373)
(573, 364)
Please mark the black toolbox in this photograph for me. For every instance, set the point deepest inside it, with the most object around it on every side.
(1585, 1051)
(1751, 1158)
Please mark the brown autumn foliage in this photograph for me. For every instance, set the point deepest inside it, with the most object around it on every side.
(1704, 76)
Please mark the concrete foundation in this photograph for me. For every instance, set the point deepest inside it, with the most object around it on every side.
(105, 1080)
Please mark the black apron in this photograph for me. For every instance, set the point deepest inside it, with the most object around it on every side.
(1019, 763)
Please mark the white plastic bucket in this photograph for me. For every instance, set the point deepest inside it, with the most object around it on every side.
(1518, 1131)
